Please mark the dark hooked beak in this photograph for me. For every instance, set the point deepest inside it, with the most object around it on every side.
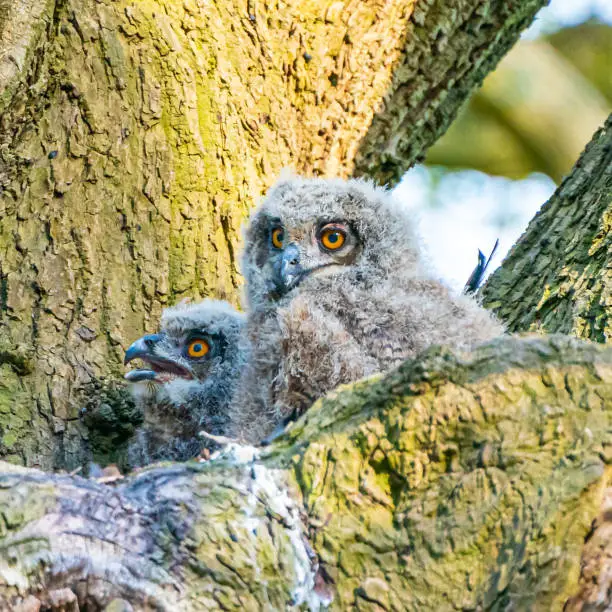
(289, 270)
(144, 348)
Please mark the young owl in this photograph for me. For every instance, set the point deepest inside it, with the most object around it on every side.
(338, 289)
(193, 364)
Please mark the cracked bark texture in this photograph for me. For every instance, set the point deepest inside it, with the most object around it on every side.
(558, 277)
(418, 107)
(134, 136)
(458, 481)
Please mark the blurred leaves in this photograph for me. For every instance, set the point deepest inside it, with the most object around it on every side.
(588, 47)
(537, 111)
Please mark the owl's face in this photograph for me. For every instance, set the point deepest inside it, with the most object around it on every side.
(193, 344)
(296, 252)
(187, 355)
(308, 228)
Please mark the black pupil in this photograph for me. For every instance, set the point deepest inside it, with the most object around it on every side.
(333, 237)
(197, 348)
(279, 235)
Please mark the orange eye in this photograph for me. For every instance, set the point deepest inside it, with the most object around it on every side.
(332, 238)
(278, 235)
(197, 348)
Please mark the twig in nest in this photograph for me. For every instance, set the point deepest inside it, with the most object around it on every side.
(222, 440)
(110, 474)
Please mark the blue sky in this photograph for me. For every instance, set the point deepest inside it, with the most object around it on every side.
(468, 210)
(566, 13)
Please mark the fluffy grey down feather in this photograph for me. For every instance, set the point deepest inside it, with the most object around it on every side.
(354, 315)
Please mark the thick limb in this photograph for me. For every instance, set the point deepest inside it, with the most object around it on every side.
(465, 480)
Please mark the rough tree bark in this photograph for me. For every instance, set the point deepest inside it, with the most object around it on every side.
(135, 135)
(558, 277)
(468, 480)
(455, 482)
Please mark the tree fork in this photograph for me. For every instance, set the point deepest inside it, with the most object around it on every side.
(434, 80)
(456, 480)
(134, 136)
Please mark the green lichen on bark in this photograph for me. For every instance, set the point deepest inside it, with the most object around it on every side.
(14, 415)
(420, 488)
(98, 232)
(457, 481)
(111, 417)
(558, 277)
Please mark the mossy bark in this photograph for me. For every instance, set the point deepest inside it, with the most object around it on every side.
(455, 482)
(436, 76)
(134, 136)
(558, 277)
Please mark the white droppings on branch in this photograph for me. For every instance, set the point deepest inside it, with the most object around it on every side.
(267, 487)
(12, 577)
(237, 454)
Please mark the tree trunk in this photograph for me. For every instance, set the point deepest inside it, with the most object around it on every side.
(455, 482)
(135, 136)
(558, 277)
(466, 480)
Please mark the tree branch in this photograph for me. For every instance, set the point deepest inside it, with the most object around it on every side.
(558, 277)
(457, 480)
(450, 47)
(21, 23)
